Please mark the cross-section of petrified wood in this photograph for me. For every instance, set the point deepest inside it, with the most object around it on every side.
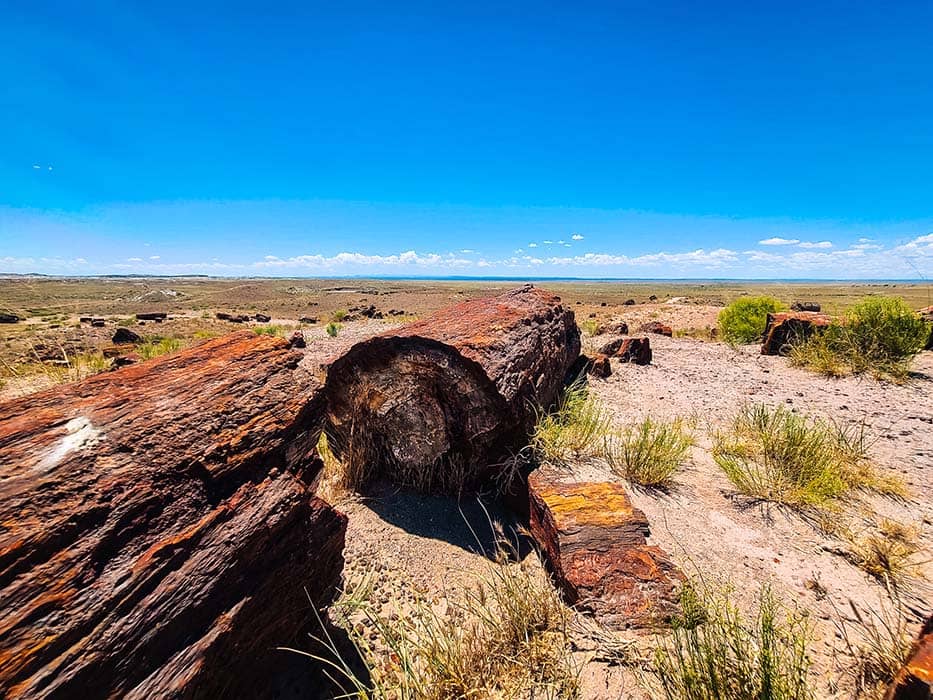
(455, 388)
(157, 525)
(915, 679)
(594, 541)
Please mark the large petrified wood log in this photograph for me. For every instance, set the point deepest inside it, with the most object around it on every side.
(786, 328)
(158, 525)
(594, 542)
(915, 679)
(456, 388)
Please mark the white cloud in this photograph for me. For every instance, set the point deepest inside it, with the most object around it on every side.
(532, 245)
(576, 237)
(816, 244)
(547, 242)
(865, 240)
(467, 251)
(134, 259)
(864, 246)
(779, 241)
(155, 257)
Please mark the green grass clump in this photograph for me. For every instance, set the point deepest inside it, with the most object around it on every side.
(504, 638)
(332, 329)
(721, 655)
(776, 455)
(338, 316)
(743, 321)
(590, 326)
(879, 335)
(576, 428)
(273, 329)
(650, 452)
(158, 347)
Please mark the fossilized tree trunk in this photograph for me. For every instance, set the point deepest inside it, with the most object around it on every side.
(158, 525)
(454, 389)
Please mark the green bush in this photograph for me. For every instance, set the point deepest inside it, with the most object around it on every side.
(332, 329)
(880, 335)
(743, 321)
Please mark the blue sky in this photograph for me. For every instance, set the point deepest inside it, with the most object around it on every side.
(575, 139)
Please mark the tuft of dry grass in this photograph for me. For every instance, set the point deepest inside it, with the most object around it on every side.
(504, 638)
(887, 550)
(716, 653)
(650, 452)
(777, 455)
(879, 643)
(574, 429)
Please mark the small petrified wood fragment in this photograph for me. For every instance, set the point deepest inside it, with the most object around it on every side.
(456, 388)
(915, 679)
(594, 542)
(158, 527)
(784, 329)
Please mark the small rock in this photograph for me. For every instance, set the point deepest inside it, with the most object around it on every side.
(97, 322)
(629, 302)
(262, 318)
(8, 318)
(297, 340)
(125, 336)
(656, 327)
(308, 319)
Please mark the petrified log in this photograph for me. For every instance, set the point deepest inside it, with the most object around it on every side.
(594, 542)
(635, 350)
(158, 525)
(656, 327)
(805, 306)
(8, 318)
(152, 316)
(915, 679)
(458, 387)
(784, 329)
(124, 336)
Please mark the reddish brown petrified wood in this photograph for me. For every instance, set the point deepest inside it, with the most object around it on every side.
(594, 541)
(915, 680)
(786, 328)
(158, 527)
(458, 387)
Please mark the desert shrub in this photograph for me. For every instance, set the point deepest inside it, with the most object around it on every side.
(574, 429)
(879, 335)
(338, 316)
(777, 455)
(743, 321)
(332, 329)
(650, 452)
(273, 329)
(505, 638)
(157, 347)
(126, 322)
(590, 326)
(719, 654)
